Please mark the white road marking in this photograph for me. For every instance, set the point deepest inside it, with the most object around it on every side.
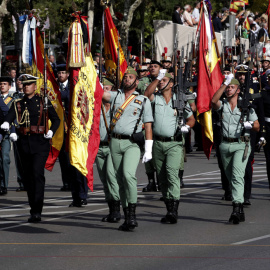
(252, 240)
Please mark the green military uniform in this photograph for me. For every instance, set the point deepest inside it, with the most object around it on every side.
(232, 148)
(104, 162)
(125, 152)
(168, 146)
(149, 166)
(143, 84)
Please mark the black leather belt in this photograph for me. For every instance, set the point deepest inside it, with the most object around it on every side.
(121, 137)
(233, 139)
(104, 144)
(168, 139)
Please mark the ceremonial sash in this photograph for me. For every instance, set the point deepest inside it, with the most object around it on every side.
(119, 112)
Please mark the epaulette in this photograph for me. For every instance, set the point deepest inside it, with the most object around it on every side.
(7, 100)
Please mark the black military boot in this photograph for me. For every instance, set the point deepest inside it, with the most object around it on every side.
(227, 196)
(115, 215)
(242, 214)
(108, 217)
(172, 212)
(151, 183)
(132, 222)
(124, 226)
(181, 173)
(235, 216)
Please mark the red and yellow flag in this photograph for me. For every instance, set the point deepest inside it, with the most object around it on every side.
(209, 79)
(247, 24)
(237, 5)
(111, 41)
(53, 94)
(86, 96)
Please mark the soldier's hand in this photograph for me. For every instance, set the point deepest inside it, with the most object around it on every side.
(185, 129)
(1, 138)
(161, 74)
(13, 137)
(5, 126)
(262, 141)
(228, 79)
(148, 151)
(49, 135)
(248, 124)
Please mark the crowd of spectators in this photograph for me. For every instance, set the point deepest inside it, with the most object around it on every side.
(257, 23)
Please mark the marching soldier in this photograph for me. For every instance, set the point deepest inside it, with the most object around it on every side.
(266, 106)
(257, 105)
(104, 162)
(235, 145)
(217, 131)
(154, 69)
(35, 141)
(66, 170)
(168, 141)
(266, 66)
(130, 110)
(5, 86)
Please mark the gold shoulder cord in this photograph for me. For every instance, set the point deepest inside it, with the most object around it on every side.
(25, 117)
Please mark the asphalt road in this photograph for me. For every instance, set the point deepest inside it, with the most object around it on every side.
(75, 238)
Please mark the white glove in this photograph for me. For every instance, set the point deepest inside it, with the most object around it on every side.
(13, 137)
(248, 124)
(185, 129)
(49, 135)
(262, 141)
(1, 138)
(228, 79)
(147, 151)
(5, 126)
(161, 74)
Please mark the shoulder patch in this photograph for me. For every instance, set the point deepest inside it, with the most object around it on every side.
(251, 91)
(7, 100)
(138, 101)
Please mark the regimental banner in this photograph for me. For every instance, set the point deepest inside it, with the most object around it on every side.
(86, 97)
(111, 45)
(209, 77)
(33, 54)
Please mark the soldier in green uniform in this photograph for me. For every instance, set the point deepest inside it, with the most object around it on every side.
(235, 139)
(10, 136)
(104, 162)
(130, 110)
(168, 144)
(154, 69)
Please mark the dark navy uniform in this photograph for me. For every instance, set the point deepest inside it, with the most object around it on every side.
(35, 148)
(266, 106)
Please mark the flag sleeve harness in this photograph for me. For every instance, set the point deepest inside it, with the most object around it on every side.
(24, 119)
(120, 110)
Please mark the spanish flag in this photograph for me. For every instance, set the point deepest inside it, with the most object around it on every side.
(237, 5)
(247, 24)
(111, 41)
(209, 78)
(33, 54)
(86, 96)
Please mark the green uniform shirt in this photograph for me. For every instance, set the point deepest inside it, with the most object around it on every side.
(165, 117)
(125, 125)
(102, 127)
(143, 84)
(231, 126)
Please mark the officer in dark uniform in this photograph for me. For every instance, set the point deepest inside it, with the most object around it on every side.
(257, 105)
(34, 139)
(266, 65)
(266, 106)
(63, 157)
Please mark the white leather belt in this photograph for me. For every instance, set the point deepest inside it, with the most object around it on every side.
(267, 119)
